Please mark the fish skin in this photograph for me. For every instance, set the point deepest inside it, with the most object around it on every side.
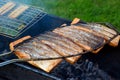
(78, 36)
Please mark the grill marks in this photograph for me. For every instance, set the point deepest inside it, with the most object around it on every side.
(39, 51)
(102, 31)
(56, 42)
(64, 49)
(64, 41)
(86, 40)
(95, 40)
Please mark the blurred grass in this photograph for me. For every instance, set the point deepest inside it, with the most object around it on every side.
(87, 10)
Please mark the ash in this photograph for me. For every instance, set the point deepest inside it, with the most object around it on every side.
(81, 70)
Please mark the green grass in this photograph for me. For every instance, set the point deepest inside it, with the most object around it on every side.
(87, 10)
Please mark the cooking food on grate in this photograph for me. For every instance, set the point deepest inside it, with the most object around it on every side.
(86, 40)
(34, 48)
(62, 45)
(63, 41)
(99, 30)
(44, 44)
(105, 31)
(98, 39)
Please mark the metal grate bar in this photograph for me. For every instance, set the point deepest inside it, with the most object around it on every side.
(18, 11)
(30, 14)
(10, 26)
(9, 22)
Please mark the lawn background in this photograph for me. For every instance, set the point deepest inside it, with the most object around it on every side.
(87, 10)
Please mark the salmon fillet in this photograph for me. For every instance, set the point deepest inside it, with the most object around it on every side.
(63, 47)
(84, 39)
(36, 49)
(101, 30)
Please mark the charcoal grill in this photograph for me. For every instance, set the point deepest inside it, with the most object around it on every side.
(107, 59)
(86, 68)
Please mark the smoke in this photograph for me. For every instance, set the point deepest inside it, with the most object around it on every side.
(43, 4)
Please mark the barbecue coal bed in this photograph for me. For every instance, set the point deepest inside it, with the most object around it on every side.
(102, 66)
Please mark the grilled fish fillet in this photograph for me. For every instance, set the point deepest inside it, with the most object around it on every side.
(62, 45)
(90, 31)
(65, 41)
(36, 49)
(84, 39)
(101, 30)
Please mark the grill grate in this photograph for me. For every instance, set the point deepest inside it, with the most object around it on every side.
(10, 26)
(16, 18)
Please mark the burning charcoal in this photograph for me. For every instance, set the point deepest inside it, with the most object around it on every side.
(82, 70)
